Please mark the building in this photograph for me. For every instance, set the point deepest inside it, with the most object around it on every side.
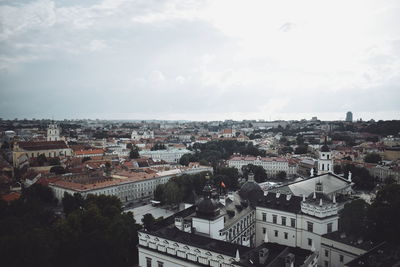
(142, 135)
(349, 116)
(272, 166)
(128, 186)
(167, 155)
(53, 132)
(30, 150)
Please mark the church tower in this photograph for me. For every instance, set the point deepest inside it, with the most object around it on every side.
(53, 132)
(325, 161)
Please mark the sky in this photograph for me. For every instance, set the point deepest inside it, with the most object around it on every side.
(199, 60)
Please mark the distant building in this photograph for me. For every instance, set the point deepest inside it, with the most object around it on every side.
(143, 135)
(349, 116)
(53, 132)
(167, 155)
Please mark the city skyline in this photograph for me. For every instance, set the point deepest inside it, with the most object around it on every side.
(196, 60)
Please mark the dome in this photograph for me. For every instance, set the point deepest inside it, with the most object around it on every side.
(251, 191)
(207, 207)
(325, 148)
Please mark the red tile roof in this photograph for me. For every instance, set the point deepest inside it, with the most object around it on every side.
(43, 145)
(11, 196)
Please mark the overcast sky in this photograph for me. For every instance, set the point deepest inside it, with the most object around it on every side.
(199, 60)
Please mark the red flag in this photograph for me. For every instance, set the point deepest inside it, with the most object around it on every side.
(222, 184)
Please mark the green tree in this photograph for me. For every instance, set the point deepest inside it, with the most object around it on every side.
(301, 149)
(159, 193)
(353, 218)
(57, 169)
(173, 194)
(259, 172)
(148, 221)
(72, 202)
(281, 175)
(337, 169)
(384, 215)
(134, 153)
(372, 158)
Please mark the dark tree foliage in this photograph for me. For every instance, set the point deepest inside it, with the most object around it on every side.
(57, 169)
(360, 176)
(229, 176)
(353, 218)
(41, 159)
(373, 158)
(54, 161)
(148, 220)
(159, 193)
(259, 172)
(286, 150)
(134, 154)
(96, 233)
(384, 216)
(281, 175)
(86, 159)
(337, 169)
(384, 127)
(72, 202)
(301, 149)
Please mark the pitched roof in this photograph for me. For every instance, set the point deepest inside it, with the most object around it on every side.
(43, 145)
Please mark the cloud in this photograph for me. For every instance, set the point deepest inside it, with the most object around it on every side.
(199, 59)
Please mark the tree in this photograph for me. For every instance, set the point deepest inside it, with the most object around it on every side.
(281, 175)
(72, 202)
(173, 194)
(390, 180)
(148, 220)
(134, 154)
(353, 218)
(57, 169)
(86, 159)
(372, 158)
(360, 176)
(41, 193)
(337, 169)
(259, 172)
(384, 216)
(159, 193)
(41, 159)
(301, 149)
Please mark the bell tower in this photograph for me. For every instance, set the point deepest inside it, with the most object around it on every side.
(53, 132)
(325, 161)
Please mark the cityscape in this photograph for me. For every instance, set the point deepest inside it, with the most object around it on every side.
(137, 133)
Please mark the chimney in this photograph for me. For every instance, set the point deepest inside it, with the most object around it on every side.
(222, 200)
(314, 195)
(263, 255)
(278, 194)
(288, 196)
(289, 260)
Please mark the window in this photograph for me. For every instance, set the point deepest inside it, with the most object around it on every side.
(264, 230)
(274, 218)
(276, 233)
(309, 241)
(283, 220)
(264, 216)
(326, 253)
(286, 235)
(160, 264)
(148, 262)
(292, 222)
(310, 226)
(329, 227)
(341, 258)
(326, 263)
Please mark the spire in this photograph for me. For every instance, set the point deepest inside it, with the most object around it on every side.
(237, 258)
(266, 240)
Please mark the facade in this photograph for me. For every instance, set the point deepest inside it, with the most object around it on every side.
(272, 166)
(127, 186)
(143, 135)
(53, 132)
(167, 155)
(349, 116)
(30, 150)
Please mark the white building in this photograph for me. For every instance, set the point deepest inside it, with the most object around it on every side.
(272, 166)
(53, 132)
(167, 155)
(127, 186)
(142, 135)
